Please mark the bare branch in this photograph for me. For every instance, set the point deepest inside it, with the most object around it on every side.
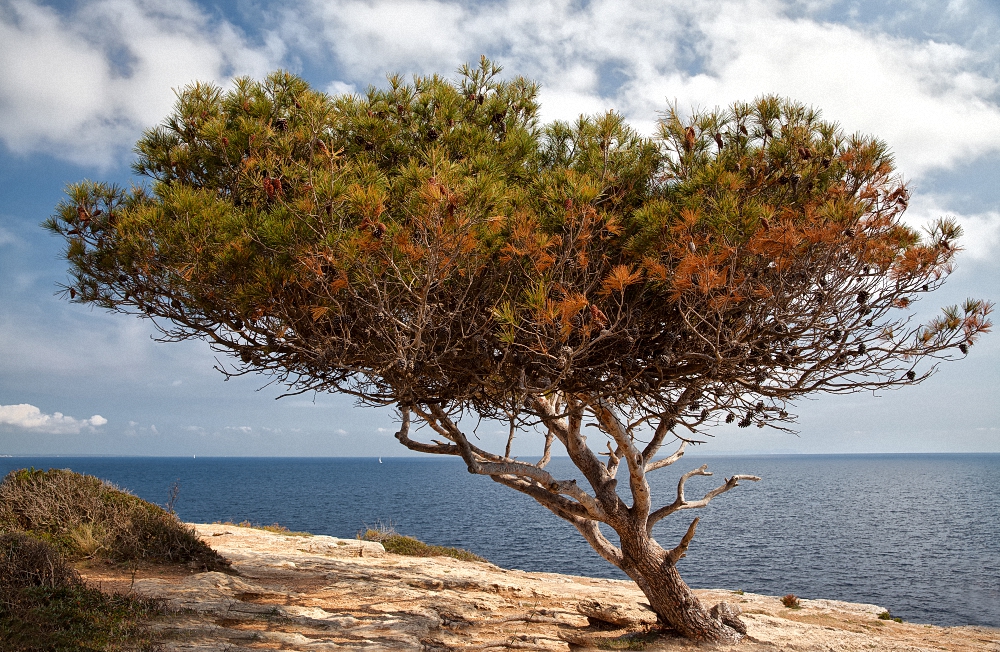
(667, 461)
(592, 533)
(682, 503)
(483, 463)
(633, 458)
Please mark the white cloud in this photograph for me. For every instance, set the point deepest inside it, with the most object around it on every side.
(928, 99)
(83, 85)
(29, 417)
(371, 38)
(341, 88)
(981, 231)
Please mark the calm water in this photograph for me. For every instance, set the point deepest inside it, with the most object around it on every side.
(917, 534)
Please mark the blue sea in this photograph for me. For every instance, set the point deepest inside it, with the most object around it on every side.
(917, 534)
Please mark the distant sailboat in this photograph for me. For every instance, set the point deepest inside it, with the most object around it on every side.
(380, 460)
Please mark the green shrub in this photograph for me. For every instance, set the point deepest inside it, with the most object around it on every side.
(44, 605)
(885, 615)
(84, 516)
(632, 641)
(400, 544)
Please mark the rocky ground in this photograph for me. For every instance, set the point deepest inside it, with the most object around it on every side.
(323, 593)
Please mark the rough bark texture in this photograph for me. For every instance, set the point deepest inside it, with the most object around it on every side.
(652, 567)
(653, 570)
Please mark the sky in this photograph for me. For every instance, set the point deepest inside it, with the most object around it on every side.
(80, 81)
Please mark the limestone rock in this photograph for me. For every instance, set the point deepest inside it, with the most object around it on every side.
(317, 594)
(618, 614)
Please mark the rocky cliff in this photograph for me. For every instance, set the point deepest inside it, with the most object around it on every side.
(321, 593)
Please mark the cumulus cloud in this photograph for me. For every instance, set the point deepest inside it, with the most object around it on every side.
(981, 231)
(83, 83)
(29, 417)
(919, 94)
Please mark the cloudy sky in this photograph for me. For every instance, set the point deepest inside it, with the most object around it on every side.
(79, 81)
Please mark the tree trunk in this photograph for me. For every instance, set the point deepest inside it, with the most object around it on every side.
(651, 567)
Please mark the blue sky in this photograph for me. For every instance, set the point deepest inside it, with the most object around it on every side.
(79, 81)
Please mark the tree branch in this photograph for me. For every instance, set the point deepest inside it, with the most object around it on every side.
(667, 461)
(633, 458)
(403, 437)
(482, 463)
(682, 503)
(681, 549)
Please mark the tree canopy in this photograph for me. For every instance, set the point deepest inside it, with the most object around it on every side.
(433, 242)
(433, 245)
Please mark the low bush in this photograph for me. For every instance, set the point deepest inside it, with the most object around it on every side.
(84, 516)
(44, 605)
(885, 615)
(25, 562)
(400, 544)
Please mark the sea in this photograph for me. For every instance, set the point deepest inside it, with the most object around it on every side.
(916, 534)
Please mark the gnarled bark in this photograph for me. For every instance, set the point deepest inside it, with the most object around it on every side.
(653, 568)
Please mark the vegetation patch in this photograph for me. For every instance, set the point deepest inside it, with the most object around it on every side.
(633, 641)
(276, 528)
(791, 601)
(44, 605)
(86, 517)
(885, 615)
(401, 544)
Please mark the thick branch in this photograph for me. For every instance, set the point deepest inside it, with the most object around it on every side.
(592, 533)
(636, 468)
(681, 549)
(403, 437)
(559, 505)
(480, 464)
(569, 433)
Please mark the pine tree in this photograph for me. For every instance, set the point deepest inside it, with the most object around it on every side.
(432, 246)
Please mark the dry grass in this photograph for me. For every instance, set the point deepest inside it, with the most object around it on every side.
(400, 544)
(276, 528)
(84, 516)
(44, 605)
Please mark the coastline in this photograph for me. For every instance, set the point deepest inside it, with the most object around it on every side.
(324, 593)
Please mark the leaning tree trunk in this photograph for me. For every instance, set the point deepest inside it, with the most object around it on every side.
(655, 571)
(639, 555)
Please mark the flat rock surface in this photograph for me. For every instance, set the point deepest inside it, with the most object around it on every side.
(322, 593)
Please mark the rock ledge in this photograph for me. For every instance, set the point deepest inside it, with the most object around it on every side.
(319, 593)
